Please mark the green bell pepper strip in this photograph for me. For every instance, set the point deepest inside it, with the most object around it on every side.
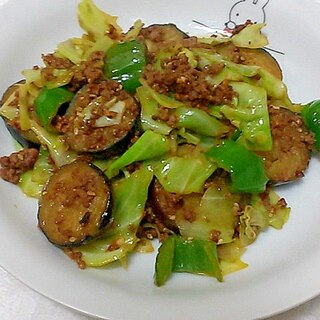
(311, 116)
(245, 167)
(49, 101)
(192, 256)
(150, 145)
(124, 62)
(197, 256)
(164, 261)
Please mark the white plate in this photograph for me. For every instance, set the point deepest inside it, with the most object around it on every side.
(284, 265)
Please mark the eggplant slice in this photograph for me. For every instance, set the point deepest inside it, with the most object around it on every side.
(100, 116)
(291, 149)
(75, 205)
(253, 57)
(27, 138)
(165, 205)
(192, 216)
(158, 37)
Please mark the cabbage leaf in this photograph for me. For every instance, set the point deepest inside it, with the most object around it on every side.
(96, 22)
(129, 197)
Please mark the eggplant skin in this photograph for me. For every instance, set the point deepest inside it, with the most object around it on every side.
(26, 139)
(75, 205)
(158, 37)
(255, 57)
(165, 204)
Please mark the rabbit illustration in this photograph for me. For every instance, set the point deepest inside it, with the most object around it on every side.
(243, 10)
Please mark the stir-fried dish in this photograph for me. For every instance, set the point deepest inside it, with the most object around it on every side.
(128, 137)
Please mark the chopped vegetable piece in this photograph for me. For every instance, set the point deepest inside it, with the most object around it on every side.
(32, 181)
(149, 108)
(250, 37)
(164, 261)
(251, 116)
(230, 257)
(200, 121)
(95, 21)
(264, 210)
(129, 197)
(292, 145)
(150, 145)
(75, 205)
(191, 256)
(197, 256)
(30, 187)
(26, 139)
(311, 116)
(102, 116)
(170, 35)
(210, 216)
(48, 103)
(253, 57)
(245, 167)
(56, 146)
(124, 62)
(162, 99)
(184, 175)
(9, 107)
(9, 111)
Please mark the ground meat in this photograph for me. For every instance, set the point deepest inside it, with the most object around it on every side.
(47, 74)
(187, 83)
(215, 235)
(236, 56)
(152, 226)
(158, 37)
(189, 215)
(165, 115)
(89, 71)
(112, 32)
(292, 145)
(192, 42)
(55, 62)
(76, 256)
(18, 162)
